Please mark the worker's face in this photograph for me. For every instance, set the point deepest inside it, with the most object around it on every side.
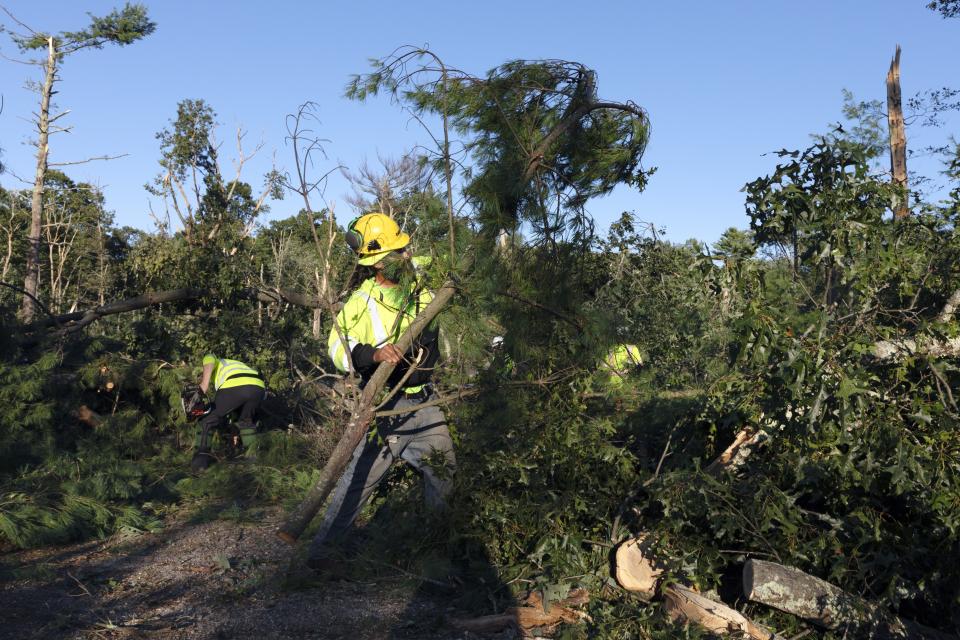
(396, 266)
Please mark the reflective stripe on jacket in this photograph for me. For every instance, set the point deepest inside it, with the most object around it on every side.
(232, 373)
(374, 316)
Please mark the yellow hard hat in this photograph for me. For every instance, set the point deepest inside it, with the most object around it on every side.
(373, 236)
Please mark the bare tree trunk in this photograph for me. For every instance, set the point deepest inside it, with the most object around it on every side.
(36, 210)
(259, 302)
(10, 230)
(898, 139)
(102, 267)
(447, 169)
(315, 325)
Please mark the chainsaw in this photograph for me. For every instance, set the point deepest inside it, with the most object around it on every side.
(194, 403)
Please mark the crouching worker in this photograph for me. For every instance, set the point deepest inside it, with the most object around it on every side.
(620, 362)
(236, 386)
(372, 320)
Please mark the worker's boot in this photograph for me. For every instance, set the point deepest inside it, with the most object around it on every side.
(201, 460)
(249, 438)
(330, 559)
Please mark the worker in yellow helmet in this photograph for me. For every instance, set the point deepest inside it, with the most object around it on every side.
(619, 362)
(377, 313)
(236, 386)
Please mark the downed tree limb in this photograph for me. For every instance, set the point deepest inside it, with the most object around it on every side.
(635, 567)
(821, 603)
(360, 419)
(686, 605)
(77, 320)
(80, 319)
(277, 296)
(932, 347)
(889, 349)
(532, 617)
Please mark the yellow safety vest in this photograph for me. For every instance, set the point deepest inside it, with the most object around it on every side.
(376, 316)
(619, 361)
(231, 373)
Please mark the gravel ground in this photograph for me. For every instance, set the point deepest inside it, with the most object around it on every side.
(216, 579)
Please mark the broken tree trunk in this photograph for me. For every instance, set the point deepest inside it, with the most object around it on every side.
(898, 139)
(819, 602)
(360, 420)
(635, 567)
(685, 605)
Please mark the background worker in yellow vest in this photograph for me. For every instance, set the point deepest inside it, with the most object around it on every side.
(236, 386)
(371, 321)
(619, 362)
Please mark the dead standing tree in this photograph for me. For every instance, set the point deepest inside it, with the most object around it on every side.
(898, 138)
(118, 27)
(386, 189)
(305, 147)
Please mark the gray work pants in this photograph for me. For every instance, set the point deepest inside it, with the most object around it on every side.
(420, 438)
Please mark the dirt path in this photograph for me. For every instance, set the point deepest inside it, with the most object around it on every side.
(216, 579)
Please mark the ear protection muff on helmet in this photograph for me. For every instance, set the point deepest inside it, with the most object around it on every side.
(355, 239)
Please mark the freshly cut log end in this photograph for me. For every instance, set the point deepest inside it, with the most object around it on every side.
(635, 568)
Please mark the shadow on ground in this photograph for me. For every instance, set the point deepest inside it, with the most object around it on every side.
(214, 579)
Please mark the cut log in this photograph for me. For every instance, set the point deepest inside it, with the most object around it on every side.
(821, 603)
(635, 567)
(685, 605)
(530, 618)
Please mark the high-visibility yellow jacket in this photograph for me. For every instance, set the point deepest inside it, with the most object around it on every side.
(374, 316)
(619, 361)
(231, 373)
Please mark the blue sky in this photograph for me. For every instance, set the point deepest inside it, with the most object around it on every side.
(724, 83)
